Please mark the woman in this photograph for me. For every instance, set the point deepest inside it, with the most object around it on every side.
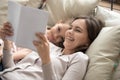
(54, 34)
(69, 64)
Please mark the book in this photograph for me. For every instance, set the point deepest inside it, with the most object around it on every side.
(26, 21)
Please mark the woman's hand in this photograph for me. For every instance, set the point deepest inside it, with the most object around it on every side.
(6, 30)
(42, 46)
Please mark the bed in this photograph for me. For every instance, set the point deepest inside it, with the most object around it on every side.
(104, 52)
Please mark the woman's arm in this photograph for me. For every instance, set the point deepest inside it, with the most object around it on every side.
(48, 72)
(42, 46)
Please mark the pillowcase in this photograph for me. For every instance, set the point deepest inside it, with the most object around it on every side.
(64, 9)
(111, 18)
(103, 53)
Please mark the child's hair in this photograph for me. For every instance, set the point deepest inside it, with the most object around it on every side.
(67, 21)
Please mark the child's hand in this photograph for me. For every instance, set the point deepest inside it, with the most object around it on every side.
(42, 47)
(6, 30)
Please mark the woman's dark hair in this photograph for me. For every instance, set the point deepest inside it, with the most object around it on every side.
(94, 26)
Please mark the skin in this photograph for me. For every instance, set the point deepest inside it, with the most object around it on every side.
(76, 36)
(55, 35)
(7, 31)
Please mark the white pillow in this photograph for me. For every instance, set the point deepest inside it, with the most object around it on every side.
(64, 9)
(111, 18)
(103, 53)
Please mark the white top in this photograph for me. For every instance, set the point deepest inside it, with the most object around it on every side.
(61, 67)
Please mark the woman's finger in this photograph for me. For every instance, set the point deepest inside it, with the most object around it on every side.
(41, 37)
(36, 43)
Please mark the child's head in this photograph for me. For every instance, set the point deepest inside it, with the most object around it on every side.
(56, 34)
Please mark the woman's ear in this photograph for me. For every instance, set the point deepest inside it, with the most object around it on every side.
(85, 46)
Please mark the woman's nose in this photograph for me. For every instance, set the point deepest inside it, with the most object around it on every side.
(70, 32)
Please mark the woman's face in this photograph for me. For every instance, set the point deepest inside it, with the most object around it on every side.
(57, 33)
(76, 36)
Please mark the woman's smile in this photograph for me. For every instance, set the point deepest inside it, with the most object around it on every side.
(69, 38)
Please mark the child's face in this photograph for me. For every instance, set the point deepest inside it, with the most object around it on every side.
(57, 33)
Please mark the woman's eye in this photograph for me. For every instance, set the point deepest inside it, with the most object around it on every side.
(77, 30)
